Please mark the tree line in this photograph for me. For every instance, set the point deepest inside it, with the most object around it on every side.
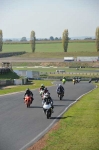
(65, 40)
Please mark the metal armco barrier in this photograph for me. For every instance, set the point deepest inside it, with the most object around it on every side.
(6, 82)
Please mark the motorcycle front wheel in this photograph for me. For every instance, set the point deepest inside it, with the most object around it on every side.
(48, 114)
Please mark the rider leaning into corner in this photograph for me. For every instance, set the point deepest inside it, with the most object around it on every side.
(48, 99)
(29, 92)
(60, 89)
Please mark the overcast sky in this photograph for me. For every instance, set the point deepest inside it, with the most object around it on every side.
(48, 17)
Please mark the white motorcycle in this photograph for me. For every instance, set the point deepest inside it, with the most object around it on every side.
(47, 109)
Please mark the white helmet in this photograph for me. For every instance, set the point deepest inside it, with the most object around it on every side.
(59, 85)
(46, 95)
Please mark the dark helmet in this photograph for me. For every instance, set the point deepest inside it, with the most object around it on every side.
(45, 89)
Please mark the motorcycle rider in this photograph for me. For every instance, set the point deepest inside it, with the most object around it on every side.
(63, 80)
(48, 99)
(45, 91)
(60, 89)
(42, 87)
(29, 92)
(74, 80)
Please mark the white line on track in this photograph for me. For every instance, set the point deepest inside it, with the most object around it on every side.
(44, 131)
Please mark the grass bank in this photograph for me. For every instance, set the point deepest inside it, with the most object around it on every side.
(79, 130)
(9, 75)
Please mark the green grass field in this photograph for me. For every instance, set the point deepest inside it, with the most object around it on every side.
(53, 50)
(51, 47)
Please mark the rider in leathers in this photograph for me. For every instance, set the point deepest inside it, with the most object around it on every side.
(42, 87)
(60, 89)
(48, 99)
(29, 92)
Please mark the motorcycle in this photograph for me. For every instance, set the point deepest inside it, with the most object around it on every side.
(28, 100)
(41, 93)
(47, 109)
(79, 80)
(63, 81)
(60, 95)
(74, 81)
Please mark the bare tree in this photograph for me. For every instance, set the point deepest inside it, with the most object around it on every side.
(97, 38)
(65, 40)
(32, 41)
(1, 40)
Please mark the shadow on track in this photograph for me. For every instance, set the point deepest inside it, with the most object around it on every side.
(59, 105)
(60, 117)
(35, 107)
(63, 99)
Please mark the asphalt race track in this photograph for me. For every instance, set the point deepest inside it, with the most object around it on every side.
(20, 126)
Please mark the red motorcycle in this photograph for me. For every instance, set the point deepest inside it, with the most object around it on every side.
(28, 100)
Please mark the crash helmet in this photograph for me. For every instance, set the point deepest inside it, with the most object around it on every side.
(46, 95)
(45, 89)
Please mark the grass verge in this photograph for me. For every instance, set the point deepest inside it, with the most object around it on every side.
(79, 130)
(33, 85)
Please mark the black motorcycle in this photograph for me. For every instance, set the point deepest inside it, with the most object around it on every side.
(60, 95)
